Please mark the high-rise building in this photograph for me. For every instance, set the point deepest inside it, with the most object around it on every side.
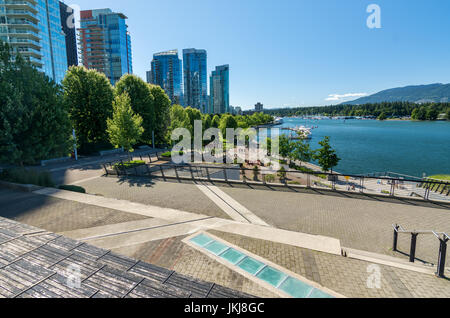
(166, 72)
(195, 79)
(33, 28)
(220, 90)
(259, 107)
(105, 44)
(68, 26)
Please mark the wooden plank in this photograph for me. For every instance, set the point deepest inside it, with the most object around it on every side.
(197, 288)
(151, 271)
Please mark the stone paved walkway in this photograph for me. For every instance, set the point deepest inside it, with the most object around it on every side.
(359, 224)
(343, 275)
(57, 215)
(185, 197)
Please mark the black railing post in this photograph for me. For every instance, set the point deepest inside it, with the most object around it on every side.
(396, 229)
(412, 254)
(162, 172)
(207, 172)
(192, 173)
(176, 173)
(362, 185)
(442, 255)
(225, 174)
(106, 170)
(308, 182)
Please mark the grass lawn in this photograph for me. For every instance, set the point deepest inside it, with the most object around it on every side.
(443, 177)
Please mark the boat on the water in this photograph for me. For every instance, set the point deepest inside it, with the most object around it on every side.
(300, 133)
(278, 121)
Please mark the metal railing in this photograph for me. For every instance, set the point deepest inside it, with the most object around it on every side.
(381, 185)
(442, 237)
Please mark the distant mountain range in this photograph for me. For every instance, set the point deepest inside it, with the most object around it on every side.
(437, 93)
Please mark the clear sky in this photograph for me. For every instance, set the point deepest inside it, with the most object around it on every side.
(287, 53)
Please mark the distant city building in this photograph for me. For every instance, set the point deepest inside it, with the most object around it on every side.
(105, 44)
(68, 27)
(149, 77)
(259, 107)
(238, 110)
(195, 79)
(220, 90)
(166, 72)
(33, 28)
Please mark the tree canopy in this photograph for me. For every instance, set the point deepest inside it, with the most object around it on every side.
(142, 102)
(162, 114)
(34, 124)
(125, 127)
(88, 96)
(326, 156)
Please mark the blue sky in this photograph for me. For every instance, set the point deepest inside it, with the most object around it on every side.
(288, 53)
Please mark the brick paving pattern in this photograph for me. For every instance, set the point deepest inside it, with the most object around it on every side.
(180, 196)
(56, 215)
(359, 224)
(173, 254)
(346, 276)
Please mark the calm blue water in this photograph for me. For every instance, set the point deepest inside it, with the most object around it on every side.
(366, 146)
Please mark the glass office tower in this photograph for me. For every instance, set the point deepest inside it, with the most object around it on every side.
(166, 72)
(195, 79)
(220, 90)
(33, 28)
(105, 44)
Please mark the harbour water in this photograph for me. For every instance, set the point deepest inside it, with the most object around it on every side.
(368, 146)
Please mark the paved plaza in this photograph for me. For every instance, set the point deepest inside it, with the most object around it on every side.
(152, 229)
(358, 223)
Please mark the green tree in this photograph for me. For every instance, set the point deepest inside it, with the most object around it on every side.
(215, 121)
(448, 113)
(206, 121)
(162, 114)
(88, 96)
(125, 127)
(142, 102)
(301, 151)
(326, 156)
(178, 119)
(382, 116)
(285, 146)
(419, 113)
(432, 113)
(227, 121)
(34, 124)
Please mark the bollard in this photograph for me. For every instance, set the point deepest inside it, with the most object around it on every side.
(412, 254)
(442, 255)
(397, 227)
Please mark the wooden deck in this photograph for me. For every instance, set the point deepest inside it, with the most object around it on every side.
(38, 264)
